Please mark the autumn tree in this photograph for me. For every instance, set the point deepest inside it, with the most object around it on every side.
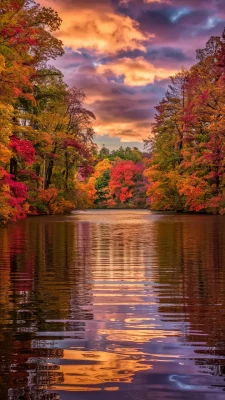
(45, 130)
(167, 146)
(187, 164)
(127, 185)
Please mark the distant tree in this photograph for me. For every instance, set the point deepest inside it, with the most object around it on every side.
(104, 152)
(126, 180)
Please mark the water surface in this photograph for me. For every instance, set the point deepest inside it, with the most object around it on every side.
(115, 305)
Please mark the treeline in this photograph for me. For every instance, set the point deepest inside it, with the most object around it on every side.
(45, 131)
(48, 161)
(187, 168)
(117, 180)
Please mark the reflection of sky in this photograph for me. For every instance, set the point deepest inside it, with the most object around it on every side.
(124, 300)
(122, 53)
(128, 342)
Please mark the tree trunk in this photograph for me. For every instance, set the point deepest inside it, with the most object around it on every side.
(49, 171)
(48, 180)
(66, 170)
(13, 166)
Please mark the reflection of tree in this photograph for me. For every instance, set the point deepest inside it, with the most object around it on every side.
(190, 282)
(16, 322)
(110, 258)
(52, 284)
(43, 294)
(81, 294)
(21, 367)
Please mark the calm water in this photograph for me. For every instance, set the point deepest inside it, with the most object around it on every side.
(113, 305)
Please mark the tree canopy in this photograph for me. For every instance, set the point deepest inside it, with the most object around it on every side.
(49, 162)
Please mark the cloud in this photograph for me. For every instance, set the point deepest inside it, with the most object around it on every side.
(185, 28)
(126, 132)
(156, 1)
(97, 27)
(126, 2)
(169, 57)
(122, 52)
(122, 111)
(136, 71)
(115, 142)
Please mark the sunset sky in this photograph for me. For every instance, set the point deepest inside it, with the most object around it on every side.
(122, 52)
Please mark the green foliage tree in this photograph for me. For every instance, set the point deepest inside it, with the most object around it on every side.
(102, 190)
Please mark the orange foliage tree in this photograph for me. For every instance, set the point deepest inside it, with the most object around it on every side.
(45, 131)
(188, 147)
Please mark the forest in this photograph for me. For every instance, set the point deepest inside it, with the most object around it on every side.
(49, 163)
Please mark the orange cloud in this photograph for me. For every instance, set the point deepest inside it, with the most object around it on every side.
(126, 131)
(97, 28)
(136, 71)
(121, 111)
(157, 1)
(124, 2)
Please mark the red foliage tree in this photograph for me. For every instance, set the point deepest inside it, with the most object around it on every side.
(23, 148)
(16, 194)
(126, 181)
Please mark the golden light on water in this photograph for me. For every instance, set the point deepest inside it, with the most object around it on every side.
(100, 307)
(102, 367)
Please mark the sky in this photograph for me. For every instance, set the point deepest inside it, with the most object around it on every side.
(121, 53)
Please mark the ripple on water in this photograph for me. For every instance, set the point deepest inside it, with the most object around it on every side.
(126, 302)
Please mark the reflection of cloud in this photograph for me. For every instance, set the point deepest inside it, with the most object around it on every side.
(101, 367)
(134, 335)
(119, 339)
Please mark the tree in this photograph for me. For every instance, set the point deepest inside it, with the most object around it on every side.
(126, 179)
(188, 148)
(45, 131)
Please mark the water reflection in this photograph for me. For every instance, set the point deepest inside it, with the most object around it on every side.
(125, 302)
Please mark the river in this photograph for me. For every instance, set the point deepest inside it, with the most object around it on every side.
(113, 305)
